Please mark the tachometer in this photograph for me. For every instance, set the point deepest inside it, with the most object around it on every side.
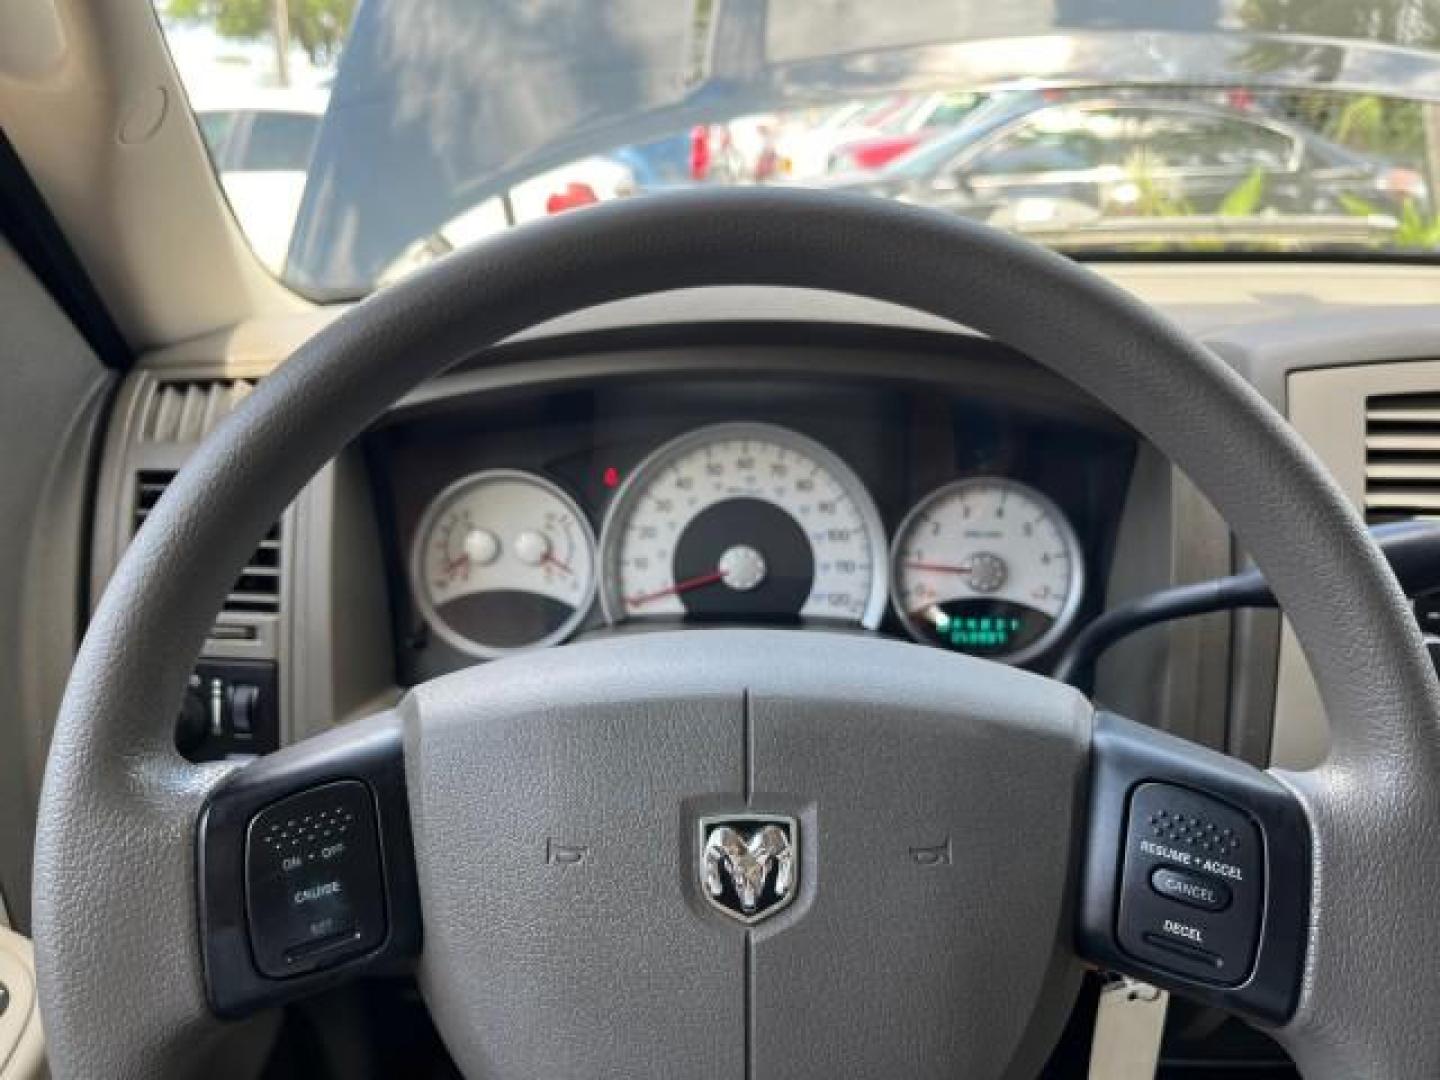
(503, 561)
(987, 566)
(743, 522)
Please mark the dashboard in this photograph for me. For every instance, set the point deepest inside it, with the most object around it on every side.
(337, 612)
(333, 619)
(977, 518)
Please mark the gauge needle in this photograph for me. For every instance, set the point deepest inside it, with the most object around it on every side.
(457, 564)
(553, 561)
(696, 582)
(938, 568)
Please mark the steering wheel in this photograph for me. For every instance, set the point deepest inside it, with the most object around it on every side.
(736, 852)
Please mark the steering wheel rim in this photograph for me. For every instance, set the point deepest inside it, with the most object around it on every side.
(119, 807)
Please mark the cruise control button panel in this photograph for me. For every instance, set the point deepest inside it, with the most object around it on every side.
(307, 870)
(314, 887)
(1196, 872)
(1192, 884)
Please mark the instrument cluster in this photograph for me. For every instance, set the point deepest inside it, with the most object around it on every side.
(745, 522)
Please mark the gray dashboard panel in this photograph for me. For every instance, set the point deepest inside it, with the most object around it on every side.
(1172, 676)
(1219, 673)
(52, 399)
(1266, 319)
(1264, 333)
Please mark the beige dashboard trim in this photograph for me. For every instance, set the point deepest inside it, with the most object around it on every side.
(96, 112)
(1327, 408)
(22, 1039)
(1205, 298)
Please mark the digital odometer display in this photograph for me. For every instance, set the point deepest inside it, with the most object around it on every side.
(743, 522)
(984, 627)
(987, 566)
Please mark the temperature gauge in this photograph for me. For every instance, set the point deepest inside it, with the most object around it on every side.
(503, 561)
(988, 567)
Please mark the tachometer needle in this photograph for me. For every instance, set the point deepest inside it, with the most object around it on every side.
(938, 568)
(696, 582)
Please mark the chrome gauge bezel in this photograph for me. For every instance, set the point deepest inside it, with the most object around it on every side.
(1075, 595)
(421, 593)
(654, 463)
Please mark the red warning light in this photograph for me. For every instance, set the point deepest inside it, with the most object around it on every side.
(611, 477)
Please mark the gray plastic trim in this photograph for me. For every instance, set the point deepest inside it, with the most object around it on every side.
(337, 652)
(1174, 675)
(53, 392)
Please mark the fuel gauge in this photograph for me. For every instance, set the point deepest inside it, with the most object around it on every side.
(503, 561)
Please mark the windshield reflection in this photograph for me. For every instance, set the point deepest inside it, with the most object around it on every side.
(1144, 169)
(1244, 126)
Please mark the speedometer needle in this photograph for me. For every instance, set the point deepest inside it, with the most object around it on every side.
(939, 568)
(696, 582)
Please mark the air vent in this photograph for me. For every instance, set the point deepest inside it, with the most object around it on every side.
(257, 590)
(1402, 477)
(187, 411)
(1402, 457)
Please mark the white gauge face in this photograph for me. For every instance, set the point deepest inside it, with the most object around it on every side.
(744, 522)
(989, 567)
(503, 561)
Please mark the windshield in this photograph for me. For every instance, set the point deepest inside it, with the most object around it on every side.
(356, 142)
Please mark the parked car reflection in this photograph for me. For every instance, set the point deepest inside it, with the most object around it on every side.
(1125, 157)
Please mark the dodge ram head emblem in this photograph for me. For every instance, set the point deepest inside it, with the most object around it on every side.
(748, 864)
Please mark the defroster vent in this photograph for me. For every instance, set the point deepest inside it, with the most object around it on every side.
(185, 411)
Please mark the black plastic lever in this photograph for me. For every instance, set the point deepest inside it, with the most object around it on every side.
(1412, 548)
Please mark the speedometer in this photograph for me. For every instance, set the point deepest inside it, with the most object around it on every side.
(990, 567)
(743, 522)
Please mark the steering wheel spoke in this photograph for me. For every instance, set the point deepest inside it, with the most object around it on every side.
(306, 869)
(1196, 872)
